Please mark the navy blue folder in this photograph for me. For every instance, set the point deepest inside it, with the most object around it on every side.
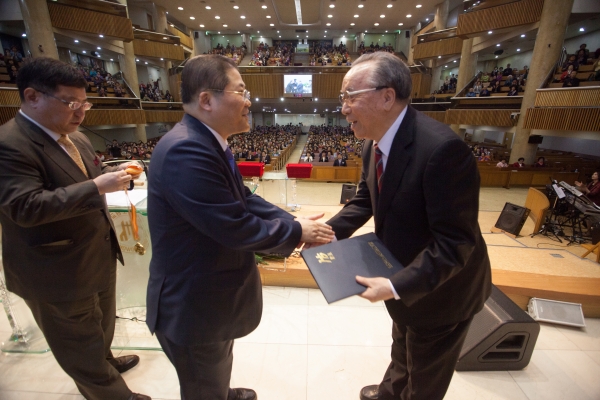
(335, 265)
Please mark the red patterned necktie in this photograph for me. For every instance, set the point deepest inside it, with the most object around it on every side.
(378, 165)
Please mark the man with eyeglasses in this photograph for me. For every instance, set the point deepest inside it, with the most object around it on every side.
(59, 245)
(421, 184)
(204, 289)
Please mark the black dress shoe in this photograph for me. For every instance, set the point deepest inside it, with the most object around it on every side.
(137, 396)
(242, 394)
(124, 363)
(370, 392)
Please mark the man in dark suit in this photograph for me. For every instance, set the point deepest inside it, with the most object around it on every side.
(204, 288)
(421, 184)
(58, 243)
(339, 162)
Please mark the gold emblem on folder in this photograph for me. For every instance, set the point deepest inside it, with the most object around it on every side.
(325, 257)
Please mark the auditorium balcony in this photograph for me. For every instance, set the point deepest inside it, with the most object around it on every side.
(94, 17)
(440, 46)
(160, 46)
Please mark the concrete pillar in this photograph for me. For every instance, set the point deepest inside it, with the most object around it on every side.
(435, 78)
(548, 44)
(441, 15)
(161, 19)
(411, 50)
(127, 64)
(38, 28)
(140, 133)
(468, 65)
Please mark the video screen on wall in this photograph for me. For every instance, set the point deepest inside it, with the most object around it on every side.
(297, 85)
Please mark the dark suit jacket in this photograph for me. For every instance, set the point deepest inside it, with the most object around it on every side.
(56, 230)
(426, 215)
(339, 163)
(205, 225)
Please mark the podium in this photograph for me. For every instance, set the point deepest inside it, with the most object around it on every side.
(251, 169)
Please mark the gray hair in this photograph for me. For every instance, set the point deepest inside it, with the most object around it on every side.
(388, 70)
(207, 71)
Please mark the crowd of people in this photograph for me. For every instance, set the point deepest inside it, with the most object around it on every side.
(128, 150)
(280, 54)
(11, 59)
(263, 142)
(571, 67)
(331, 144)
(362, 49)
(325, 54)
(101, 81)
(231, 51)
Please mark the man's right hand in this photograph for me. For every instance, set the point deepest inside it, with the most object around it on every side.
(314, 231)
(112, 182)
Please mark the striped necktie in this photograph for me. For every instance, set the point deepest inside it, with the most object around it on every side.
(73, 152)
(230, 158)
(378, 165)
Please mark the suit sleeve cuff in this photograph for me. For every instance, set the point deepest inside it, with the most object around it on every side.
(394, 291)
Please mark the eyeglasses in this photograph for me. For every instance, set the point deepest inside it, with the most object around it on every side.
(349, 96)
(73, 105)
(245, 94)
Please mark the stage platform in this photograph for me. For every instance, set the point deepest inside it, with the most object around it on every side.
(522, 268)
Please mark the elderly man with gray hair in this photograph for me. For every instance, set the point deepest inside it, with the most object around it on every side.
(421, 184)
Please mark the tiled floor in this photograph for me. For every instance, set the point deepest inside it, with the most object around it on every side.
(306, 349)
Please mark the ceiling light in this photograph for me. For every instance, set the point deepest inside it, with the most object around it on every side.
(280, 36)
(426, 19)
(264, 6)
(355, 15)
(256, 99)
(454, 61)
(518, 49)
(389, 6)
(236, 7)
(165, 38)
(224, 25)
(581, 29)
(218, 33)
(248, 25)
(330, 16)
(360, 6)
(101, 36)
(400, 24)
(257, 31)
(272, 24)
(192, 18)
(145, 62)
(498, 45)
(496, 56)
(172, 26)
(352, 24)
(326, 31)
(418, 6)
(242, 16)
(268, 16)
(99, 48)
(24, 34)
(439, 56)
(277, 31)
(112, 59)
(366, 31)
(385, 31)
(328, 24)
(136, 60)
(445, 66)
(202, 26)
(382, 16)
(76, 41)
(217, 17)
(207, 7)
(325, 36)
(376, 24)
(489, 32)
(162, 59)
(180, 8)
(238, 31)
(282, 99)
(84, 51)
(332, 6)
(345, 31)
(408, 16)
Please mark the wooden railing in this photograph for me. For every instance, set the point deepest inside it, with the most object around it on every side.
(481, 117)
(444, 47)
(437, 115)
(158, 50)
(114, 117)
(563, 118)
(510, 177)
(568, 97)
(90, 21)
(185, 39)
(479, 22)
(421, 85)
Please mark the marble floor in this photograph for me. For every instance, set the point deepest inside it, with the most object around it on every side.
(306, 349)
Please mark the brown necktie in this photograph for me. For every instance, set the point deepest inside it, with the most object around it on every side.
(73, 152)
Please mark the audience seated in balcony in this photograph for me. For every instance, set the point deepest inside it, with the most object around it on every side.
(485, 77)
(484, 93)
(520, 163)
(477, 87)
(471, 93)
(572, 60)
(507, 71)
(566, 73)
(540, 163)
(513, 91)
(571, 80)
(502, 163)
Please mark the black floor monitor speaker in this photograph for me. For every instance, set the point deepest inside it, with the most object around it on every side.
(500, 338)
(512, 218)
(348, 192)
(595, 232)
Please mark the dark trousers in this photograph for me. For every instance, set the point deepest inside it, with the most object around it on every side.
(423, 361)
(204, 370)
(79, 334)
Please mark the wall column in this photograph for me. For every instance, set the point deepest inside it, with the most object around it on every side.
(441, 15)
(435, 78)
(38, 28)
(468, 65)
(548, 44)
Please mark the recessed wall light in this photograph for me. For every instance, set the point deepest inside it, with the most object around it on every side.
(272, 24)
